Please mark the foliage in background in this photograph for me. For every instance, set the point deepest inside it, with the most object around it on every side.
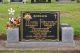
(70, 13)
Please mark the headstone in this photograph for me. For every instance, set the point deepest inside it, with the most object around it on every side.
(0, 0)
(16, 0)
(40, 1)
(40, 29)
(40, 25)
(63, 1)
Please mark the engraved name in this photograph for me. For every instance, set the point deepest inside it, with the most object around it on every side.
(40, 16)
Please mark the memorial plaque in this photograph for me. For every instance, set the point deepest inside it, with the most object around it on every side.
(40, 25)
(40, 1)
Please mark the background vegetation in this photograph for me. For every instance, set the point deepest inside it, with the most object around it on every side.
(69, 12)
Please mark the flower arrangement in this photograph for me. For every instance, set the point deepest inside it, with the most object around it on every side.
(13, 22)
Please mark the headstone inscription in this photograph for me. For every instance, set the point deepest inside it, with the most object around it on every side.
(39, 25)
(40, 1)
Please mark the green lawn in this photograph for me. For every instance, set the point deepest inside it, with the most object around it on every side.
(70, 13)
(25, 52)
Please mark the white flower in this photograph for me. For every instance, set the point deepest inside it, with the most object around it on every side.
(11, 19)
(11, 11)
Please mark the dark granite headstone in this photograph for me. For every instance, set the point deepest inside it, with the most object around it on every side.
(40, 25)
(40, 1)
(15, 0)
(64, 1)
(0, 0)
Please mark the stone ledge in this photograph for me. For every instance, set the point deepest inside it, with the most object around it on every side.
(53, 48)
(39, 44)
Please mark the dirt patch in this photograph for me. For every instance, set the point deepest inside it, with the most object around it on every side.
(3, 36)
(77, 38)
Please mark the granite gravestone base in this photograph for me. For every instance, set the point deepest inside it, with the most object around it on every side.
(40, 1)
(67, 39)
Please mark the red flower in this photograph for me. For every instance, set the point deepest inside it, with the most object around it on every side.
(9, 25)
(17, 21)
(13, 22)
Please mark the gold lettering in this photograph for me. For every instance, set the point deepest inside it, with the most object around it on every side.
(49, 23)
(40, 16)
(32, 23)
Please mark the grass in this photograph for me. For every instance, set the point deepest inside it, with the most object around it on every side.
(25, 52)
(70, 13)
